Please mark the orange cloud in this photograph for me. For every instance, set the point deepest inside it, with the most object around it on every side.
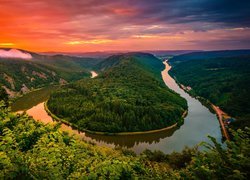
(93, 25)
(95, 41)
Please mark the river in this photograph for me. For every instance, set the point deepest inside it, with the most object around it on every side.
(199, 123)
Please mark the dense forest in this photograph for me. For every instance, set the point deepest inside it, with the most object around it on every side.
(32, 150)
(224, 81)
(22, 75)
(128, 95)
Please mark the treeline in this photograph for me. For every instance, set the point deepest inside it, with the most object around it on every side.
(129, 95)
(224, 81)
(31, 150)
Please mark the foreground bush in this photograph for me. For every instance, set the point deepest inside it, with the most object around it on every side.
(31, 150)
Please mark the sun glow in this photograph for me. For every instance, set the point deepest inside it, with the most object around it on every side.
(7, 44)
(86, 25)
(95, 41)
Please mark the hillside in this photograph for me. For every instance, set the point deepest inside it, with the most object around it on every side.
(129, 95)
(210, 54)
(19, 74)
(224, 81)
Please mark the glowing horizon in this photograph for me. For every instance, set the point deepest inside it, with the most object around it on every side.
(92, 25)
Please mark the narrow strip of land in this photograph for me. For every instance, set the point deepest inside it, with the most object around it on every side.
(219, 112)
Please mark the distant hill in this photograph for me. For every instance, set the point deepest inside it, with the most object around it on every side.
(210, 54)
(97, 54)
(106, 54)
(22, 71)
(116, 59)
(162, 53)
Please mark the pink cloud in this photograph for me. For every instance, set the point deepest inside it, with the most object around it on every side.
(14, 53)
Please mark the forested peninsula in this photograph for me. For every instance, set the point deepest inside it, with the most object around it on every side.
(129, 95)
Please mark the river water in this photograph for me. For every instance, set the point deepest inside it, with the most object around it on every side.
(199, 123)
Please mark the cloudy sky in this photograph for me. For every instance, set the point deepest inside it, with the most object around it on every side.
(100, 25)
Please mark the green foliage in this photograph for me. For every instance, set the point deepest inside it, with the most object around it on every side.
(31, 150)
(128, 96)
(175, 160)
(231, 162)
(224, 81)
(3, 95)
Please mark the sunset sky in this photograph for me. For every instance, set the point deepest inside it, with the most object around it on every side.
(104, 25)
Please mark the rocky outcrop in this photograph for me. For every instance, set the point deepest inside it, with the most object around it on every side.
(41, 75)
(24, 89)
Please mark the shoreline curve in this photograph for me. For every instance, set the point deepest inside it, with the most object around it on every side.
(56, 118)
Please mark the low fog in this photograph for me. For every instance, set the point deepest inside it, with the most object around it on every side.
(14, 53)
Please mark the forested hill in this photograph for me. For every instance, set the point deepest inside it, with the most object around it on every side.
(22, 71)
(224, 81)
(145, 60)
(210, 54)
(129, 95)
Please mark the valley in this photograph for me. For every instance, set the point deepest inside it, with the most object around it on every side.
(128, 96)
(189, 134)
(124, 90)
(114, 73)
(140, 147)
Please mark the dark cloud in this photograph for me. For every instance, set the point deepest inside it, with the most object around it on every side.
(74, 20)
(228, 12)
(197, 15)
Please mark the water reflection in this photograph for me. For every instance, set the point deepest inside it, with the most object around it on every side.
(129, 141)
(32, 99)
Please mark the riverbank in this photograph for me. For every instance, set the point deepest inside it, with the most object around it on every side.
(198, 123)
(13, 99)
(220, 114)
(214, 109)
(56, 118)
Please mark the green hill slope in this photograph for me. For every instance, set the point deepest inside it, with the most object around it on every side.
(129, 95)
(210, 55)
(22, 75)
(224, 81)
